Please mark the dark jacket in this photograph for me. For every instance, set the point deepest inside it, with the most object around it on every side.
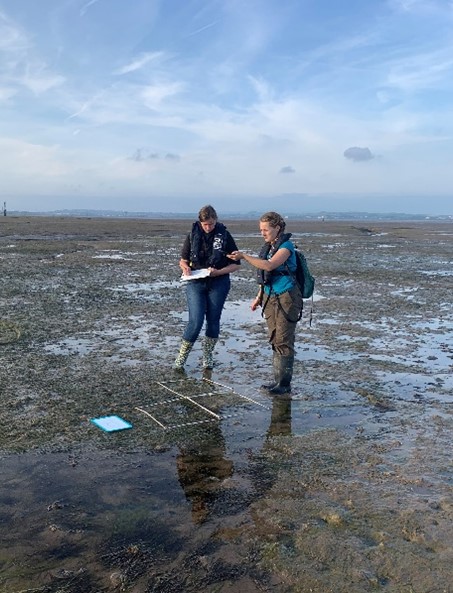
(208, 250)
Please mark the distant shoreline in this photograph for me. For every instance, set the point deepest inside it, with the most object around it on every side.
(318, 216)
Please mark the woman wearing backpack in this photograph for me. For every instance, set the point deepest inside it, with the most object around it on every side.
(279, 296)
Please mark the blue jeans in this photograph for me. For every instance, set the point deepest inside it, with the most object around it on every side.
(205, 298)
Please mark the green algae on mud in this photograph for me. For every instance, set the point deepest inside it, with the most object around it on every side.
(345, 486)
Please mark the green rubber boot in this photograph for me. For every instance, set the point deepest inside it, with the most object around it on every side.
(285, 374)
(275, 367)
(184, 352)
(208, 352)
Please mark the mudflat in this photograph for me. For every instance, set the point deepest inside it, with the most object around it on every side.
(344, 486)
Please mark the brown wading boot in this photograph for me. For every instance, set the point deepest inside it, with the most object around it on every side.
(285, 374)
(184, 352)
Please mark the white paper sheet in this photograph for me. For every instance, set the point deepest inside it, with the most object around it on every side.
(196, 275)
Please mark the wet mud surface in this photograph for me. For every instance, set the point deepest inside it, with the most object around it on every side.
(346, 486)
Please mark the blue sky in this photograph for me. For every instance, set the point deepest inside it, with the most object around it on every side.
(299, 105)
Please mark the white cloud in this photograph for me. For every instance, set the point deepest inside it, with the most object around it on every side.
(201, 29)
(84, 8)
(6, 93)
(406, 5)
(153, 95)
(12, 38)
(261, 87)
(28, 161)
(422, 71)
(39, 80)
(140, 62)
(422, 6)
(20, 66)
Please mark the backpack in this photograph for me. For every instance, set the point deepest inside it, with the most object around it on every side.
(304, 280)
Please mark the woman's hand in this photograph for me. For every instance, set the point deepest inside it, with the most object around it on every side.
(184, 265)
(235, 255)
(267, 265)
(255, 303)
(258, 300)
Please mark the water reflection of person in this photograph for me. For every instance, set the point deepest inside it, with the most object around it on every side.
(202, 468)
(264, 472)
(280, 423)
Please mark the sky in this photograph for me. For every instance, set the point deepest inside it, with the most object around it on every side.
(250, 105)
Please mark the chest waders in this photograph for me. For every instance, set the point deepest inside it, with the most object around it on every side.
(282, 365)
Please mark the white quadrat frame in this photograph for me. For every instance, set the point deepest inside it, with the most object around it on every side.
(213, 416)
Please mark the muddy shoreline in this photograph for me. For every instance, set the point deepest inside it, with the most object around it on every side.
(346, 486)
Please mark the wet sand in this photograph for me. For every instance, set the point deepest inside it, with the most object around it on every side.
(346, 486)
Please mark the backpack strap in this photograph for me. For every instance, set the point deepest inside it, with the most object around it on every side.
(263, 306)
(266, 277)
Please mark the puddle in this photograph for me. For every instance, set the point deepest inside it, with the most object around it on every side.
(412, 387)
(73, 525)
(68, 346)
(448, 272)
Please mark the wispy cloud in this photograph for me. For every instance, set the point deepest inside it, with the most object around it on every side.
(12, 38)
(6, 93)
(39, 80)
(422, 71)
(422, 6)
(83, 108)
(261, 87)
(406, 5)
(201, 29)
(139, 62)
(20, 66)
(86, 6)
(153, 95)
(38, 160)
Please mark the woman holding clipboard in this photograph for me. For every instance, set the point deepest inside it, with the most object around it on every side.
(206, 272)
